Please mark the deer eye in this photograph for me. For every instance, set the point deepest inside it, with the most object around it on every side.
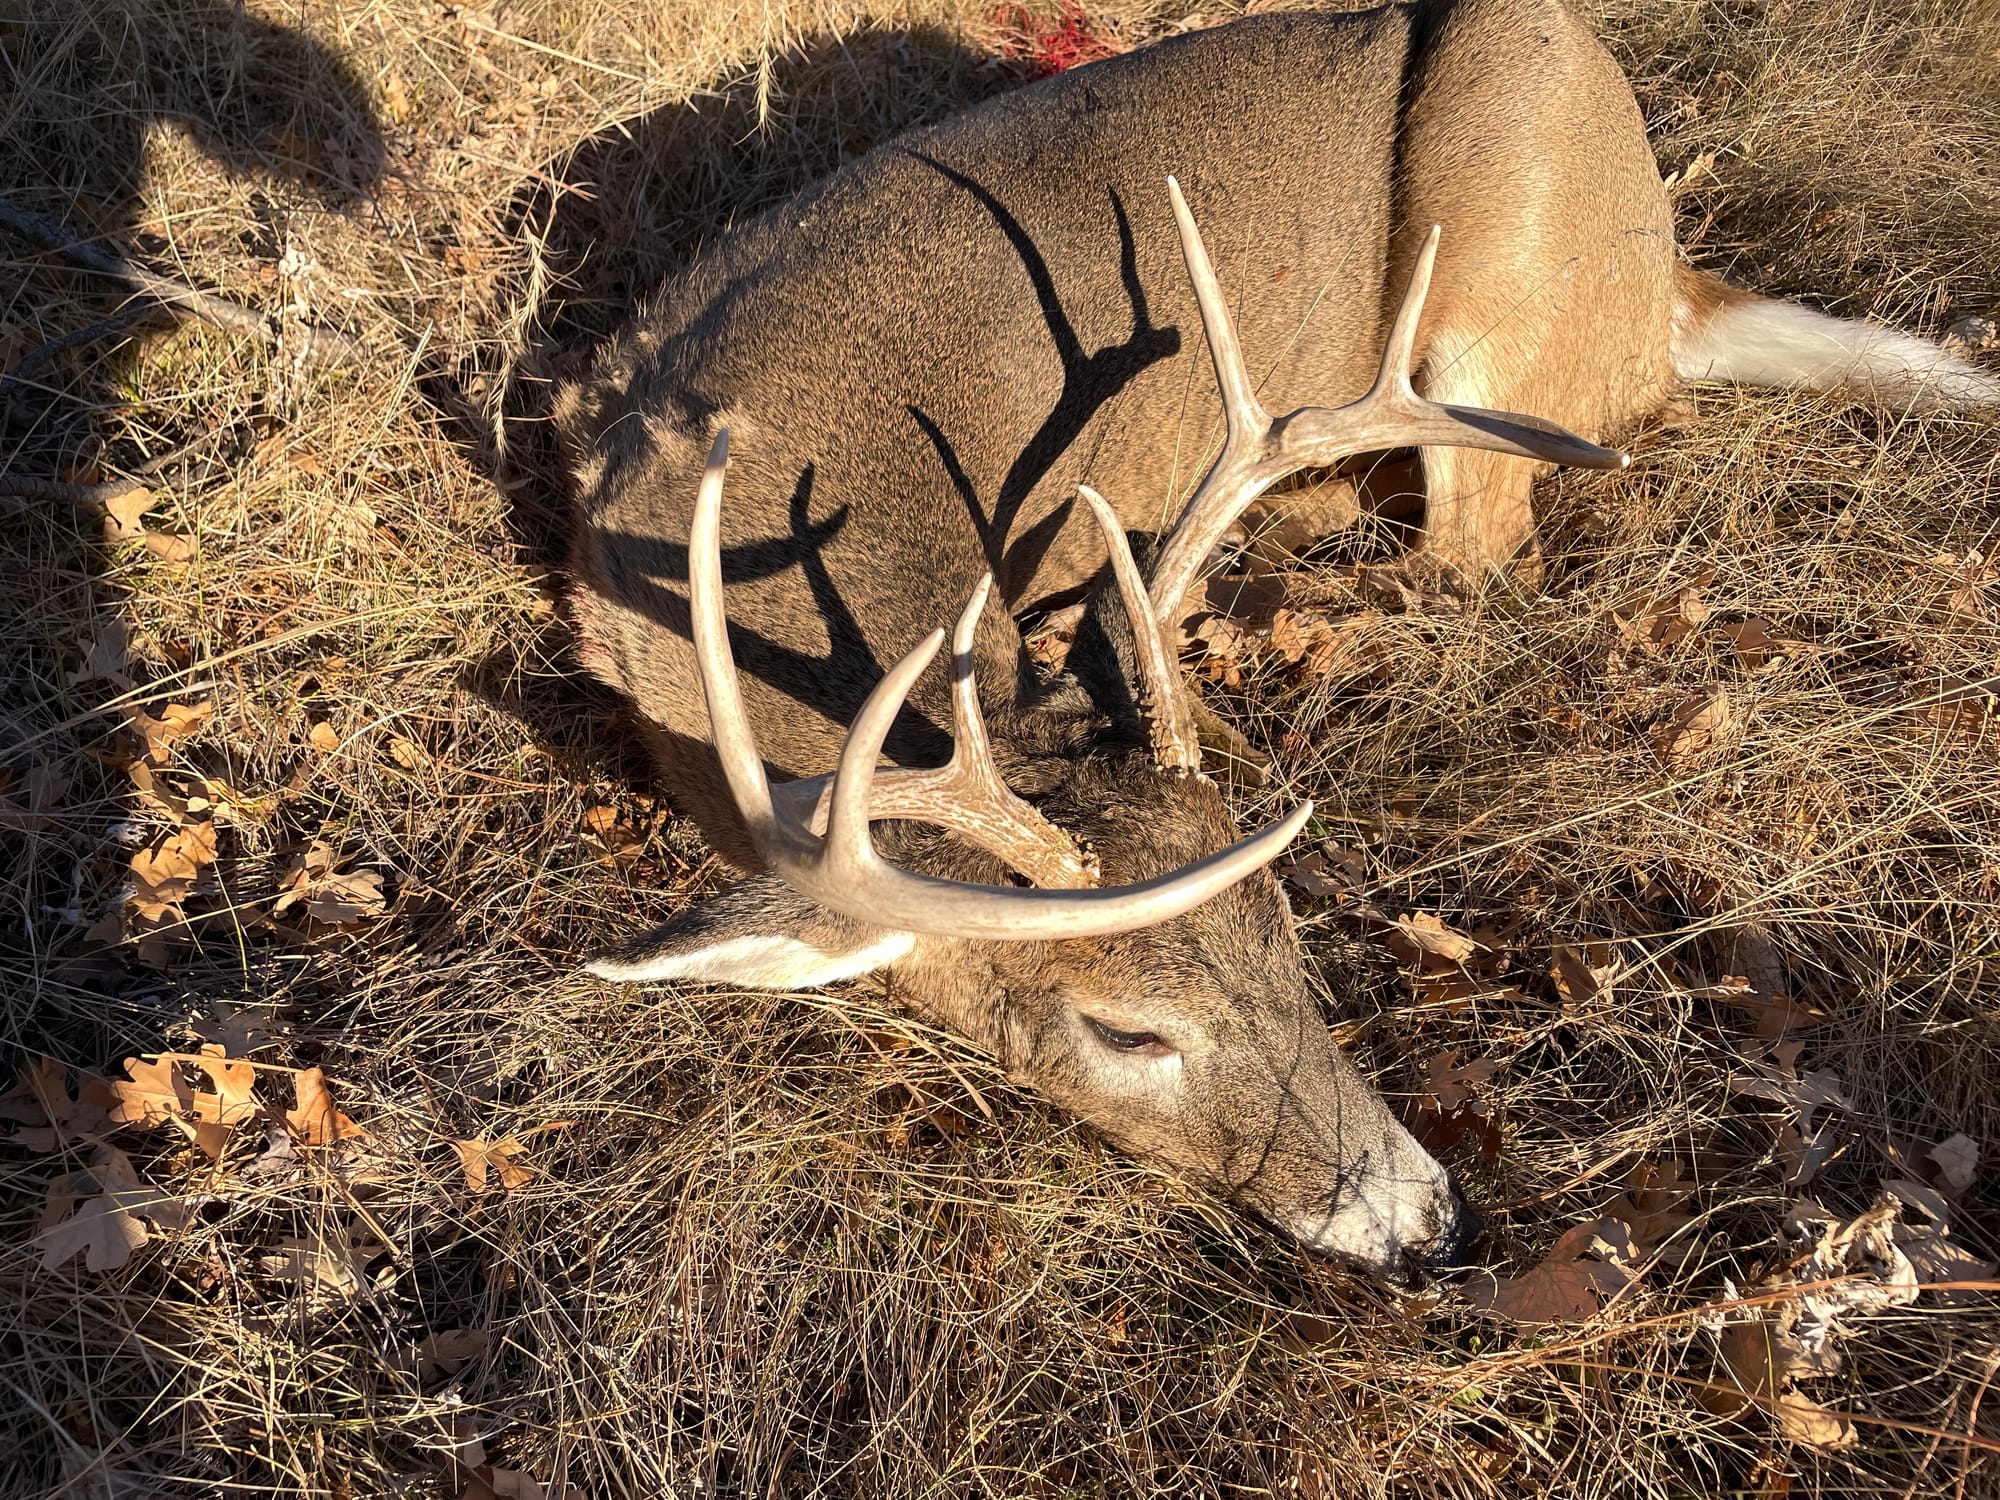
(1126, 1041)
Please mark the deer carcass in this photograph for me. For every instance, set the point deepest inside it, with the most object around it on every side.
(915, 370)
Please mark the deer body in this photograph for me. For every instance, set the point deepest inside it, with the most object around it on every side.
(918, 363)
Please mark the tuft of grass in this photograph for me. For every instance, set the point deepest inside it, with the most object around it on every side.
(804, 1245)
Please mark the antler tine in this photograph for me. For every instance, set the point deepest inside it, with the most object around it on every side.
(1391, 415)
(1162, 695)
(729, 727)
(967, 794)
(843, 872)
(1241, 409)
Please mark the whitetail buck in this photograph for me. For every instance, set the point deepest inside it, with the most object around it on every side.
(915, 369)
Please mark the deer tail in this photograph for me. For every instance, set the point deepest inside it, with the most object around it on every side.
(1724, 333)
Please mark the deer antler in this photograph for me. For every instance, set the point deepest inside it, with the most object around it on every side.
(842, 871)
(1260, 449)
(966, 794)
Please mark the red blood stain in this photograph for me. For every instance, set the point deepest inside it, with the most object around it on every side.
(1047, 45)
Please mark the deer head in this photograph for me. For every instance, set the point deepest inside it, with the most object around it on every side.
(1070, 891)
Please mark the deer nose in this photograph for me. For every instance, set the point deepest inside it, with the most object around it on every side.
(1461, 1227)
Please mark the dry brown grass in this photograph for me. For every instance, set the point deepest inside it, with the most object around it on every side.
(775, 1245)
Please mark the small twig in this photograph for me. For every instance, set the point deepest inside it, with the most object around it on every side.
(322, 343)
(104, 328)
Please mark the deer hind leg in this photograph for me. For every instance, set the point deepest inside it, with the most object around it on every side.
(1479, 513)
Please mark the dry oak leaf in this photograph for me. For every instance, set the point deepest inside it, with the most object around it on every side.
(1808, 1094)
(1957, 1161)
(176, 721)
(39, 1101)
(106, 1227)
(1584, 975)
(1758, 1359)
(1698, 728)
(1650, 1206)
(502, 1158)
(1564, 1287)
(235, 1098)
(1452, 1084)
(449, 1352)
(165, 876)
(1652, 624)
(151, 1093)
(1424, 935)
(316, 1120)
(329, 894)
(42, 791)
(338, 1262)
(125, 514)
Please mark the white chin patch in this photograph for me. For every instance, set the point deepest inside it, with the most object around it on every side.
(763, 962)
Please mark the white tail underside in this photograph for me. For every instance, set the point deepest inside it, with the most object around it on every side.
(1766, 342)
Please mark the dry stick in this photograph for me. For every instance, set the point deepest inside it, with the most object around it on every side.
(321, 343)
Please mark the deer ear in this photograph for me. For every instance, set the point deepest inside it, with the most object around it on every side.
(759, 933)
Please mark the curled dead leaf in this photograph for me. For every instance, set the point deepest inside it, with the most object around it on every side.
(502, 1158)
(1422, 936)
(176, 722)
(1698, 728)
(315, 1119)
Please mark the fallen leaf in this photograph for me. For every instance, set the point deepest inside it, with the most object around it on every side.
(1584, 975)
(1935, 1257)
(235, 1098)
(1650, 1206)
(315, 1118)
(106, 658)
(176, 722)
(151, 1093)
(235, 1031)
(1807, 1094)
(1957, 1161)
(1318, 873)
(449, 1352)
(329, 894)
(125, 512)
(1652, 624)
(1760, 1367)
(39, 1101)
(1423, 935)
(1698, 728)
(42, 792)
(339, 1263)
(408, 754)
(1452, 1085)
(501, 1157)
(169, 546)
(615, 838)
(166, 875)
(323, 736)
(106, 1225)
(1562, 1288)
(1805, 1156)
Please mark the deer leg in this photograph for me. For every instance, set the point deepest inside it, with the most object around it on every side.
(1479, 515)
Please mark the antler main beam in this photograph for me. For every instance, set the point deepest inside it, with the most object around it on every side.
(842, 870)
(1259, 449)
